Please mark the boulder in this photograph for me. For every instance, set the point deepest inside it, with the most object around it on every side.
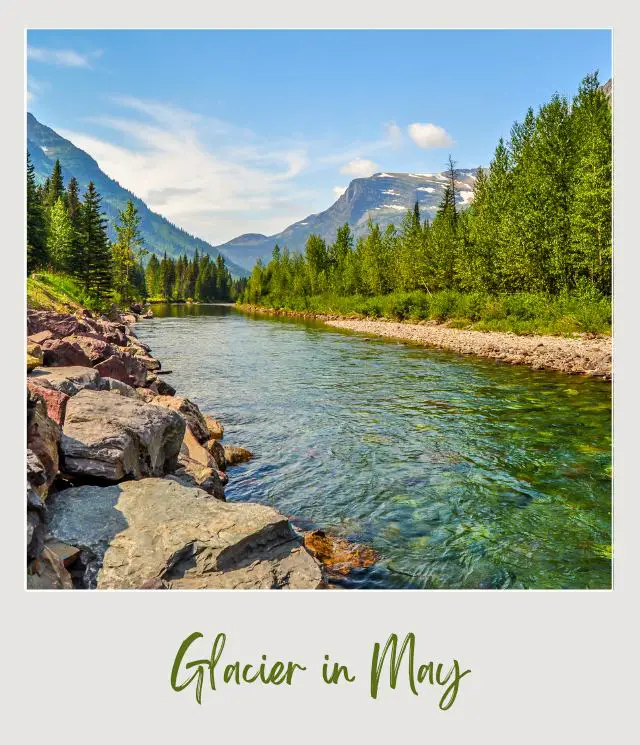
(36, 518)
(67, 380)
(40, 337)
(111, 437)
(189, 411)
(36, 511)
(146, 394)
(58, 324)
(62, 353)
(48, 572)
(217, 451)
(215, 428)
(117, 386)
(34, 355)
(195, 451)
(193, 474)
(43, 437)
(95, 349)
(56, 401)
(156, 532)
(151, 363)
(123, 367)
(234, 454)
(338, 555)
(161, 387)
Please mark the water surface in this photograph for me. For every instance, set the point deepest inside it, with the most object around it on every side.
(461, 472)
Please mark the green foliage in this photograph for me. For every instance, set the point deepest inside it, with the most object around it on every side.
(532, 253)
(36, 232)
(199, 279)
(127, 255)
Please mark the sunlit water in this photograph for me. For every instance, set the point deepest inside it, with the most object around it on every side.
(460, 472)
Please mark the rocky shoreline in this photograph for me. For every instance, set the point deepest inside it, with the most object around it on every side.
(582, 355)
(125, 478)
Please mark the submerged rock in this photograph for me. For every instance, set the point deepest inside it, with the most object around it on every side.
(156, 532)
(234, 454)
(109, 436)
(337, 554)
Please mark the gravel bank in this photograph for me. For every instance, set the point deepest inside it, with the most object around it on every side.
(576, 356)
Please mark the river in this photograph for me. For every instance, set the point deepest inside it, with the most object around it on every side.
(461, 472)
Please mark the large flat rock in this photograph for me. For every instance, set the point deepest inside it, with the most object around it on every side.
(158, 533)
(108, 436)
(68, 380)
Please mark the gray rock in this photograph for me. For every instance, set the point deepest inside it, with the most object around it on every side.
(111, 437)
(68, 380)
(117, 386)
(189, 411)
(156, 532)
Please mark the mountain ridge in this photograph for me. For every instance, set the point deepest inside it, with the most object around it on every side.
(383, 197)
(160, 234)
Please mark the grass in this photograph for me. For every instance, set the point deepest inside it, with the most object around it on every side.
(57, 292)
(520, 313)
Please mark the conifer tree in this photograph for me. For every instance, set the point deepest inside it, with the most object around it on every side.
(36, 235)
(55, 185)
(96, 255)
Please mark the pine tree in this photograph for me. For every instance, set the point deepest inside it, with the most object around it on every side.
(55, 185)
(36, 235)
(96, 255)
(152, 276)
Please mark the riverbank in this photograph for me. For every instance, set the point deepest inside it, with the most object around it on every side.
(580, 355)
(125, 478)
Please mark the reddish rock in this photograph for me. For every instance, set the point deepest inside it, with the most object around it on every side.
(56, 401)
(61, 353)
(96, 349)
(59, 324)
(40, 337)
(337, 554)
(190, 413)
(123, 367)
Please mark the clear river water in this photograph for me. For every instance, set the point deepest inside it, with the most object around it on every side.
(461, 472)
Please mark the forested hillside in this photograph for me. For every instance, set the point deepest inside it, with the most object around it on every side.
(538, 229)
(45, 146)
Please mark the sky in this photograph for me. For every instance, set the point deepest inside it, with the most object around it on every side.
(232, 132)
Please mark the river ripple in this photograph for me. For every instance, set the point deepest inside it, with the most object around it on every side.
(460, 472)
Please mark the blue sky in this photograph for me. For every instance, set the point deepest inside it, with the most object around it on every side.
(229, 132)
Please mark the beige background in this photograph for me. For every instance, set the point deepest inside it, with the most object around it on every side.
(550, 667)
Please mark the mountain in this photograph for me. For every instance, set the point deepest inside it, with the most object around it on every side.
(385, 197)
(160, 235)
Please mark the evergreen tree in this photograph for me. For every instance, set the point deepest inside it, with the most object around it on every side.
(590, 215)
(96, 255)
(36, 235)
(55, 185)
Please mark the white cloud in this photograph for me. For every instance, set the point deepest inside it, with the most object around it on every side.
(62, 57)
(200, 172)
(359, 168)
(429, 135)
(338, 191)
